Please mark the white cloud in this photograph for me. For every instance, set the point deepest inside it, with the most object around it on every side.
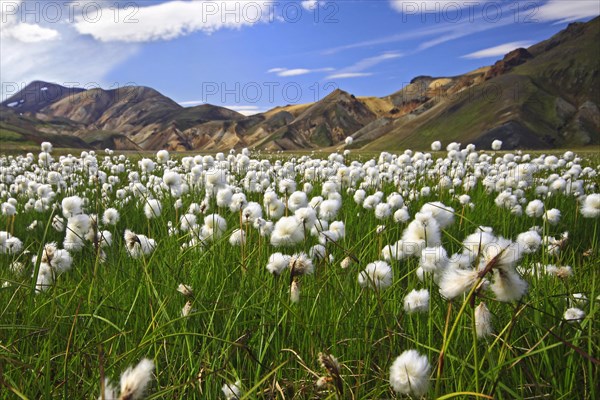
(27, 33)
(497, 51)
(61, 56)
(284, 72)
(166, 21)
(294, 72)
(309, 5)
(346, 75)
(13, 26)
(567, 11)
(357, 70)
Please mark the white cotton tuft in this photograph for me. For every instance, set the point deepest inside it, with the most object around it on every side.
(508, 285)
(483, 321)
(300, 264)
(288, 231)
(455, 282)
(416, 301)
(214, 227)
(152, 208)
(444, 215)
(135, 381)
(529, 241)
(590, 207)
(376, 275)
(535, 208)
(552, 216)
(277, 263)
(110, 217)
(573, 315)
(237, 238)
(71, 206)
(409, 373)
(328, 209)
(232, 391)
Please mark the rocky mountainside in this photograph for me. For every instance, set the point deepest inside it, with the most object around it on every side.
(545, 96)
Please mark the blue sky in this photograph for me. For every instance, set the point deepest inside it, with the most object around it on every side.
(254, 55)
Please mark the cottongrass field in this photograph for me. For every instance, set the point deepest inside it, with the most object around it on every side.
(451, 274)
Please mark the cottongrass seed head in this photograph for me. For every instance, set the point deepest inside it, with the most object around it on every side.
(277, 263)
(483, 321)
(377, 275)
(457, 281)
(295, 291)
(409, 373)
(185, 290)
(301, 264)
(573, 315)
(590, 207)
(187, 309)
(330, 363)
(232, 391)
(135, 381)
(417, 301)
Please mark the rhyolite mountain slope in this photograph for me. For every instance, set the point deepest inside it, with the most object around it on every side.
(545, 96)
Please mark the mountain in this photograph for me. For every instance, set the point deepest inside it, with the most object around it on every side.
(545, 96)
(128, 118)
(17, 130)
(322, 124)
(118, 109)
(37, 95)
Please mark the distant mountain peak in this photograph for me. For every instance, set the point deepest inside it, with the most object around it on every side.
(37, 95)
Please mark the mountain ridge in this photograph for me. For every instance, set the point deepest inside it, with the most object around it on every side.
(544, 96)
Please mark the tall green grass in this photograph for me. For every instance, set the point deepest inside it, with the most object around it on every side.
(100, 318)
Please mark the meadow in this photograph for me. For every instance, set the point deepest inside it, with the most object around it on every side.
(455, 273)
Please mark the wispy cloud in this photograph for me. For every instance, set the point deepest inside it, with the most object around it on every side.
(346, 75)
(460, 31)
(246, 110)
(497, 51)
(566, 11)
(357, 70)
(437, 34)
(285, 72)
(170, 20)
(431, 6)
(191, 103)
(242, 109)
(400, 37)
